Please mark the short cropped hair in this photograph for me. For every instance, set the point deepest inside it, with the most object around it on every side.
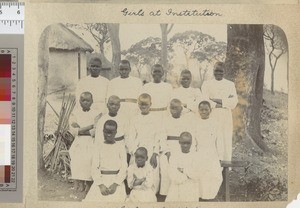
(188, 134)
(219, 65)
(110, 123)
(176, 101)
(86, 93)
(96, 59)
(204, 102)
(124, 61)
(142, 149)
(144, 96)
(157, 66)
(185, 71)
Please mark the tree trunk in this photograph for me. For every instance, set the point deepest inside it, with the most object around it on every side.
(164, 43)
(272, 81)
(113, 30)
(43, 62)
(101, 47)
(245, 65)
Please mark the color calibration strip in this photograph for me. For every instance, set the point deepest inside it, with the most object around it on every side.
(8, 102)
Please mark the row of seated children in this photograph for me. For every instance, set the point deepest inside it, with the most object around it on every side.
(94, 158)
(219, 92)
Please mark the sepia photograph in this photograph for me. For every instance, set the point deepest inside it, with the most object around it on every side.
(163, 112)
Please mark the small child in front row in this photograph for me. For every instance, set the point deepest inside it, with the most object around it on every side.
(82, 122)
(183, 172)
(140, 178)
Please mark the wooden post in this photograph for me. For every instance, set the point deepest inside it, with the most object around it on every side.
(43, 63)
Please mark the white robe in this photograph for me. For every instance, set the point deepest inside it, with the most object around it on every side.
(128, 88)
(209, 155)
(161, 94)
(225, 90)
(146, 191)
(98, 87)
(82, 146)
(108, 157)
(122, 130)
(146, 131)
(174, 127)
(184, 186)
(188, 96)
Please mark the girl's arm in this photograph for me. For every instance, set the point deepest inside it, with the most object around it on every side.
(85, 130)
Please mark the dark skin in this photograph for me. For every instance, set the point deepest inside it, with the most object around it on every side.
(109, 133)
(218, 74)
(144, 105)
(86, 102)
(157, 74)
(95, 67)
(113, 106)
(185, 80)
(185, 142)
(204, 111)
(140, 159)
(124, 70)
(175, 109)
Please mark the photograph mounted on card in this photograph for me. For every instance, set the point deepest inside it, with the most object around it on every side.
(162, 112)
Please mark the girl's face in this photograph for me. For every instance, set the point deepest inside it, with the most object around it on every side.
(86, 102)
(185, 144)
(95, 68)
(109, 133)
(144, 106)
(157, 74)
(185, 80)
(175, 110)
(124, 70)
(219, 73)
(113, 106)
(204, 111)
(140, 158)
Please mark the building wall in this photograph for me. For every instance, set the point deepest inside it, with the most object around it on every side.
(63, 70)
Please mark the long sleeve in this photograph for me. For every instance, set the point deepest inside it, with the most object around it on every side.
(130, 178)
(176, 176)
(231, 101)
(132, 143)
(161, 143)
(191, 171)
(73, 131)
(123, 169)
(96, 174)
(149, 183)
(205, 89)
(219, 144)
(98, 132)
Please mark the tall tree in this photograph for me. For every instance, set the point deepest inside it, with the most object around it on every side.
(276, 47)
(245, 65)
(99, 31)
(144, 53)
(113, 29)
(202, 47)
(165, 30)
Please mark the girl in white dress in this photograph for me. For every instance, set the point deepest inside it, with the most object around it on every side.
(140, 178)
(183, 172)
(81, 126)
(108, 168)
(209, 153)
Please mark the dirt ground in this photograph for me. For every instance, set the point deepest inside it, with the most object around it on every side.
(265, 179)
